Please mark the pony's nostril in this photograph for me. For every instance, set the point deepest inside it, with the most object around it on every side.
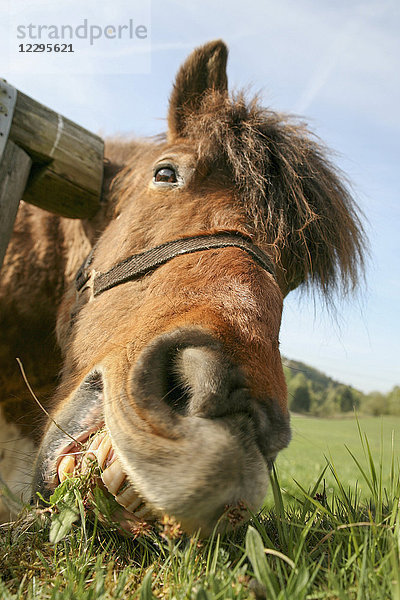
(176, 392)
(205, 375)
(187, 371)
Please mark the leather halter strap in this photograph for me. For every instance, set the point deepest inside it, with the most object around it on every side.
(138, 265)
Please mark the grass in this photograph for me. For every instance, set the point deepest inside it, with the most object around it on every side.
(327, 538)
(316, 440)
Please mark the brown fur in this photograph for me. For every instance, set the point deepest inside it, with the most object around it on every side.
(247, 169)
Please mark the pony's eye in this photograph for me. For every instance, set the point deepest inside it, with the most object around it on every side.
(165, 175)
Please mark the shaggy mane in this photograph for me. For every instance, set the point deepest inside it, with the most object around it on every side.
(292, 192)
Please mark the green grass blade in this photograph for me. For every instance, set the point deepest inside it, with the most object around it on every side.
(280, 510)
(256, 555)
(202, 595)
(64, 519)
(362, 470)
(145, 589)
(361, 595)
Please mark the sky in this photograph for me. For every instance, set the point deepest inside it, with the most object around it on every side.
(334, 62)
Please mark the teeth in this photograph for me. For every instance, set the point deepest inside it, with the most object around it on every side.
(143, 513)
(95, 442)
(129, 499)
(100, 450)
(66, 467)
(125, 485)
(113, 476)
(103, 450)
(111, 456)
(91, 453)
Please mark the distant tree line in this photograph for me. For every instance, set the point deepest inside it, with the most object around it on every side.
(313, 393)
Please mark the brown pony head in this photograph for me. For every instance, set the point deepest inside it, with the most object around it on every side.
(182, 364)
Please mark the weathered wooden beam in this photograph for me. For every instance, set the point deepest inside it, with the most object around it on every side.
(14, 171)
(67, 171)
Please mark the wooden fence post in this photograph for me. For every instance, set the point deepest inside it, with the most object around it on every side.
(14, 170)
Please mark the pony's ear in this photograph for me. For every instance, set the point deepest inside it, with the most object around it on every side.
(204, 69)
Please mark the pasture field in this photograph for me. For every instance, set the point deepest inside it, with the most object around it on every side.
(315, 440)
(338, 540)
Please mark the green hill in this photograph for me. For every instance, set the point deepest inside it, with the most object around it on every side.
(311, 391)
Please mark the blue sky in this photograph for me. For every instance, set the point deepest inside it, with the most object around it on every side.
(336, 63)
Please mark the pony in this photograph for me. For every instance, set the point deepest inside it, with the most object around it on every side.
(150, 332)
